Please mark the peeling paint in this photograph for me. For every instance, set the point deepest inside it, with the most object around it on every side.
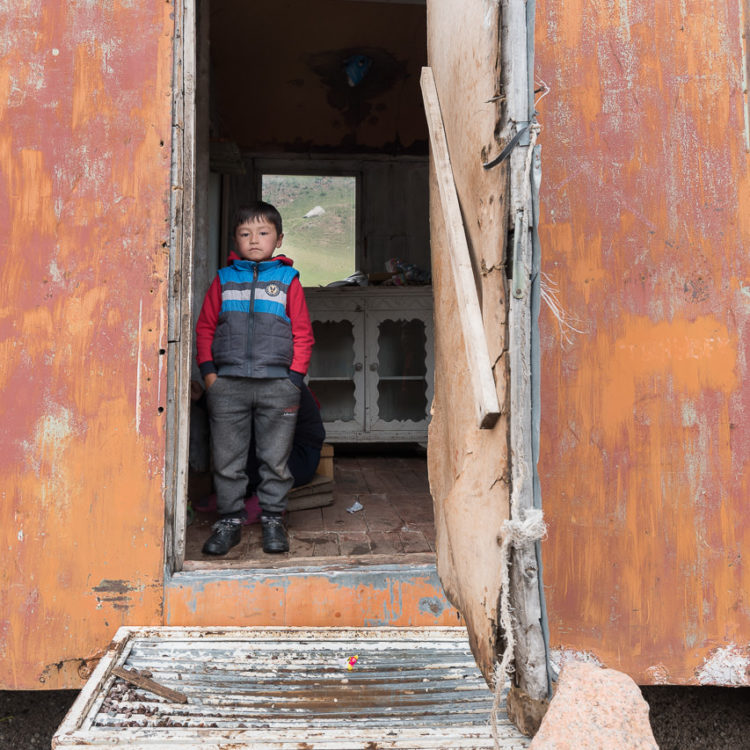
(561, 657)
(644, 221)
(81, 667)
(115, 587)
(367, 596)
(432, 605)
(658, 674)
(138, 369)
(729, 665)
(85, 123)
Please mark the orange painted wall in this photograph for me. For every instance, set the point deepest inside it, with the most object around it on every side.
(645, 230)
(645, 225)
(367, 596)
(85, 117)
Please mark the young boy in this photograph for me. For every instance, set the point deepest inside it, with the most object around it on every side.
(254, 341)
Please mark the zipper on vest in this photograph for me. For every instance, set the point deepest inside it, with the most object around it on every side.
(251, 324)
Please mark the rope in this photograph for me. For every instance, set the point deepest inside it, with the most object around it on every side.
(516, 534)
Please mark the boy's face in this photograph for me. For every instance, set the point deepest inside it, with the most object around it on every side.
(257, 240)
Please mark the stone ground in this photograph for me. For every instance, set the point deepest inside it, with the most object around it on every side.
(699, 718)
(683, 718)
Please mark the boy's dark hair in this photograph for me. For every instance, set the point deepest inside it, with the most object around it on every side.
(255, 211)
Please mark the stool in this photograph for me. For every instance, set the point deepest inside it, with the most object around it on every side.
(318, 492)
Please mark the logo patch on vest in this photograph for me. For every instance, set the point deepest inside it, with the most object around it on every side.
(273, 290)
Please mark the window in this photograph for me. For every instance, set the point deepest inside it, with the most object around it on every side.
(320, 223)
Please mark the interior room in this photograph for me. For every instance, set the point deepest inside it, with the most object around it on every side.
(315, 107)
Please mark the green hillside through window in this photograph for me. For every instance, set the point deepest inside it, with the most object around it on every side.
(319, 215)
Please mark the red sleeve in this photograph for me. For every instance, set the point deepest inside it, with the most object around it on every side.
(302, 333)
(206, 327)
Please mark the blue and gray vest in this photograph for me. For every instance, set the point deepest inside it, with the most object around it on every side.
(253, 337)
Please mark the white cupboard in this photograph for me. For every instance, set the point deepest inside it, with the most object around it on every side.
(372, 364)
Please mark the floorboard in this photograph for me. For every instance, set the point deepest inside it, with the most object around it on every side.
(396, 517)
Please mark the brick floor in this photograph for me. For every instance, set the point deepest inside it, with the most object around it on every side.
(396, 518)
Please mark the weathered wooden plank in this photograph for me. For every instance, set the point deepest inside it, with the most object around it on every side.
(379, 514)
(414, 540)
(325, 544)
(415, 560)
(486, 405)
(146, 683)
(336, 517)
(284, 688)
(354, 543)
(415, 508)
(180, 290)
(530, 675)
(386, 542)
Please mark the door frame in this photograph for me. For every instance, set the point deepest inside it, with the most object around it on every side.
(180, 296)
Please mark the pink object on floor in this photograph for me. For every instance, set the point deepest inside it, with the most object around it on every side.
(206, 504)
(252, 508)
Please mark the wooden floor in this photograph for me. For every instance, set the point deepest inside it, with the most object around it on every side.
(396, 518)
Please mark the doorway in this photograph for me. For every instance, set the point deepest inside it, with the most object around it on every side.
(380, 509)
(274, 100)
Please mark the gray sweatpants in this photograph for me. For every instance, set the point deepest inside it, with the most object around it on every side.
(239, 408)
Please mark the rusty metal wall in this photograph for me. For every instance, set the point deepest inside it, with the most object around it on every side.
(645, 227)
(85, 117)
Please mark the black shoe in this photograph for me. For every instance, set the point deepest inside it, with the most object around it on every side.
(274, 534)
(227, 533)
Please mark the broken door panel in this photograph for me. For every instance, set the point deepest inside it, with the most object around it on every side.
(469, 466)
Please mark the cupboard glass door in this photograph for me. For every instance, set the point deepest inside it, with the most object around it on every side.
(398, 381)
(336, 372)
